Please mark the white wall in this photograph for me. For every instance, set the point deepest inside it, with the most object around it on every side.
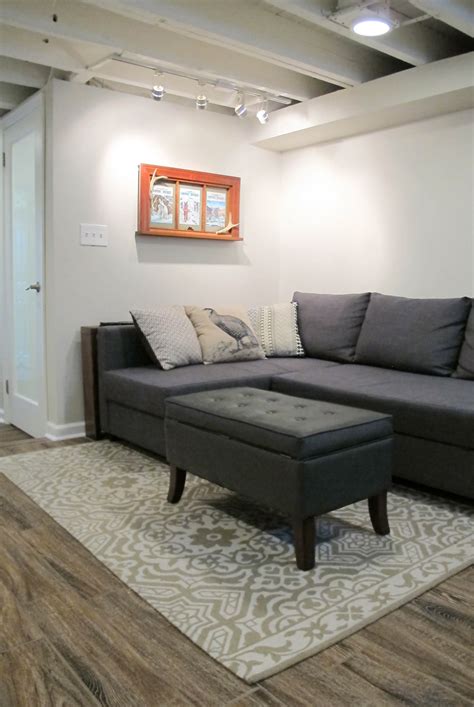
(96, 140)
(390, 211)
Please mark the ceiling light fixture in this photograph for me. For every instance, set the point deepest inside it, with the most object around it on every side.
(201, 98)
(240, 109)
(372, 26)
(262, 113)
(158, 90)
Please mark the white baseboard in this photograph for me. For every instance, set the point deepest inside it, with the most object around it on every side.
(56, 433)
(2, 415)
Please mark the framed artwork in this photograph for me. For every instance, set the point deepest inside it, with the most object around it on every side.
(190, 207)
(216, 209)
(186, 204)
(162, 205)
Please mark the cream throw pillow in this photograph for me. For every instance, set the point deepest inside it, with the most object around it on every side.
(276, 327)
(225, 334)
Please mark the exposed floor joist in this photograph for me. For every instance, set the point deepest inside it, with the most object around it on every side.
(23, 73)
(456, 13)
(82, 22)
(279, 41)
(415, 44)
(11, 96)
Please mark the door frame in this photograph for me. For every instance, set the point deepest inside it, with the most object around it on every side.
(24, 111)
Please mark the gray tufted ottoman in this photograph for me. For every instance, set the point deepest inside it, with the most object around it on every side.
(301, 457)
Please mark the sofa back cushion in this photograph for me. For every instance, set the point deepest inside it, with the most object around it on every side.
(329, 325)
(419, 335)
(465, 367)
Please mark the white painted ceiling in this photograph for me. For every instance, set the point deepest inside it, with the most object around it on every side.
(287, 50)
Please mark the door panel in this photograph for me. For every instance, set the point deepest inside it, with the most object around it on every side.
(24, 263)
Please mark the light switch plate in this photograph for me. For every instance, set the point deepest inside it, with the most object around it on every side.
(94, 234)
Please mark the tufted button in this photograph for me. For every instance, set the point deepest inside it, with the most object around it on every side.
(243, 405)
(300, 419)
(271, 412)
(328, 412)
(300, 406)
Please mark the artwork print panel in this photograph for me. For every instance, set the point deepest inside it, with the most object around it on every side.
(190, 207)
(162, 205)
(216, 209)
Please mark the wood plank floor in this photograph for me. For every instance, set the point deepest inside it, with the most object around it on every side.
(72, 634)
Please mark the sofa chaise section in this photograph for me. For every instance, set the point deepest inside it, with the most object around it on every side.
(433, 417)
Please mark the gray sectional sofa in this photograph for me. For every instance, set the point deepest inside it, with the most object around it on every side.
(413, 359)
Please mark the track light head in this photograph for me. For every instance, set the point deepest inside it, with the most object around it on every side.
(201, 98)
(262, 113)
(240, 109)
(158, 90)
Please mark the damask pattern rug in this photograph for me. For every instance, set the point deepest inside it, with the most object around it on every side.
(222, 569)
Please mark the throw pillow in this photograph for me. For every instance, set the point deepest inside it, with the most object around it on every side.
(276, 327)
(330, 325)
(465, 367)
(170, 336)
(418, 335)
(225, 334)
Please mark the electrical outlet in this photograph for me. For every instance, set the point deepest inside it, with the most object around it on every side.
(94, 234)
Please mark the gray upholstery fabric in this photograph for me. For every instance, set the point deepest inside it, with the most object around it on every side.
(117, 347)
(465, 367)
(298, 488)
(280, 423)
(139, 428)
(329, 325)
(146, 388)
(420, 335)
(440, 409)
(275, 366)
(434, 464)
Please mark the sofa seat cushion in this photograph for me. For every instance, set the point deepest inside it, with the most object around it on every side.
(277, 366)
(146, 388)
(434, 408)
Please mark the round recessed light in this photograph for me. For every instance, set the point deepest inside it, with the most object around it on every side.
(371, 26)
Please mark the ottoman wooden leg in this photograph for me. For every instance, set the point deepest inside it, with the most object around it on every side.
(177, 481)
(378, 513)
(304, 537)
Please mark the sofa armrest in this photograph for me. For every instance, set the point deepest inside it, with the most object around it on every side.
(117, 347)
(120, 347)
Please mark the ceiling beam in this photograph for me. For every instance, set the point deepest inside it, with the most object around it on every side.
(22, 73)
(255, 31)
(84, 23)
(415, 44)
(457, 13)
(11, 96)
(24, 45)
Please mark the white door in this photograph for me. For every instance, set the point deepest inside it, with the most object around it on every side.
(24, 217)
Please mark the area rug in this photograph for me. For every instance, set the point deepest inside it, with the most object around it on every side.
(222, 569)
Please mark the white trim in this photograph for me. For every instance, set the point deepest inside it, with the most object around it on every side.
(2, 415)
(56, 433)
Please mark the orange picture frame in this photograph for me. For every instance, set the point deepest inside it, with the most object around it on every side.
(183, 203)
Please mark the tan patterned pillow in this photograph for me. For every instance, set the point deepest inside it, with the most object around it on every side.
(225, 334)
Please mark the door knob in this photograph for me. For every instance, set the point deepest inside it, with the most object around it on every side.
(36, 287)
